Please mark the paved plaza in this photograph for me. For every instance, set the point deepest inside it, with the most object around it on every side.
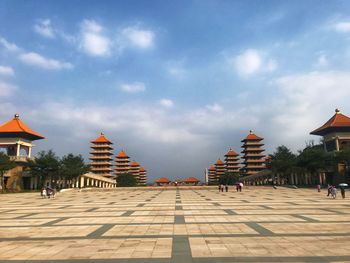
(259, 224)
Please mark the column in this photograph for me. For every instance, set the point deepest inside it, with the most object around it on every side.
(18, 149)
(30, 151)
(337, 143)
(81, 182)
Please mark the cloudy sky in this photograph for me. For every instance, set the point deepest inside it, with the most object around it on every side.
(173, 83)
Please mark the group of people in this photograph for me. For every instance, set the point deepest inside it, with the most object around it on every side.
(332, 191)
(223, 187)
(48, 192)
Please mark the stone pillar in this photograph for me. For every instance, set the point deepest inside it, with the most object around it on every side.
(18, 149)
(29, 151)
(100, 184)
(81, 182)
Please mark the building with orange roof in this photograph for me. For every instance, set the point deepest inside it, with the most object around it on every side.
(335, 132)
(134, 169)
(101, 156)
(212, 178)
(122, 165)
(253, 156)
(191, 181)
(143, 176)
(232, 161)
(220, 169)
(163, 181)
(16, 140)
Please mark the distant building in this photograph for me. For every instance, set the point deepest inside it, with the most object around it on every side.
(101, 160)
(220, 169)
(212, 178)
(254, 159)
(16, 141)
(163, 181)
(232, 161)
(122, 165)
(143, 176)
(190, 181)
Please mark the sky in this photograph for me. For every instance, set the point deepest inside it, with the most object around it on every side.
(175, 84)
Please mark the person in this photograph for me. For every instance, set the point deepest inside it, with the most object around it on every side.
(329, 189)
(43, 193)
(237, 187)
(318, 188)
(240, 187)
(222, 187)
(219, 188)
(226, 187)
(334, 192)
(342, 191)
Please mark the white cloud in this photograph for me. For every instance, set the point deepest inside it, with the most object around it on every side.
(37, 60)
(251, 61)
(44, 28)
(7, 71)
(9, 46)
(93, 41)
(6, 89)
(167, 103)
(322, 61)
(342, 27)
(215, 108)
(134, 87)
(139, 37)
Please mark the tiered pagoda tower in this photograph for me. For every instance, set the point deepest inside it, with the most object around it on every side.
(254, 159)
(122, 163)
(212, 178)
(220, 169)
(134, 169)
(232, 161)
(101, 160)
(143, 176)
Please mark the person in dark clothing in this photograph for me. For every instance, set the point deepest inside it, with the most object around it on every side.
(342, 191)
(226, 188)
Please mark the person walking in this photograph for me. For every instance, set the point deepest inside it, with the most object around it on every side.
(226, 187)
(318, 188)
(329, 189)
(342, 191)
(222, 187)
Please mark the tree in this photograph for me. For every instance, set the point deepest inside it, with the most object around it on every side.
(126, 179)
(229, 178)
(343, 156)
(282, 161)
(72, 166)
(46, 165)
(5, 165)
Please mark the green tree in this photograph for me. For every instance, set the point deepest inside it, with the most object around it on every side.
(5, 165)
(282, 161)
(72, 166)
(229, 178)
(126, 179)
(46, 165)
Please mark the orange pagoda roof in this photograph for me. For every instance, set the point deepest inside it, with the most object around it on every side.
(219, 162)
(231, 153)
(122, 154)
(16, 127)
(163, 180)
(191, 180)
(102, 138)
(252, 136)
(212, 168)
(339, 122)
(134, 163)
(142, 169)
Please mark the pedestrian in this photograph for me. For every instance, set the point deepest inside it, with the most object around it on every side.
(342, 191)
(318, 188)
(219, 188)
(329, 189)
(240, 187)
(237, 187)
(226, 187)
(222, 187)
(43, 192)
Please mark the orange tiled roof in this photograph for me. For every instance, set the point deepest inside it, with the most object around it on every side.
(122, 154)
(219, 162)
(163, 180)
(17, 126)
(252, 136)
(212, 168)
(191, 180)
(337, 121)
(134, 163)
(231, 153)
(142, 169)
(102, 138)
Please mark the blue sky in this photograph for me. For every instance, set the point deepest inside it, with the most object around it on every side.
(174, 83)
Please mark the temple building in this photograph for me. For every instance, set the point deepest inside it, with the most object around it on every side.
(143, 176)
(134, 169)
(232, 161)
(163, 181)
(335, 132)
(101, 160)
(254, 159)
(122, 165)
(16, 141)
(220, 169)
(212, 178)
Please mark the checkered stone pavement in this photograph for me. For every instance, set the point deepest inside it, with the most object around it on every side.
(196, 224)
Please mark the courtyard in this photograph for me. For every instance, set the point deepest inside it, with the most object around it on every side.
(195, 224)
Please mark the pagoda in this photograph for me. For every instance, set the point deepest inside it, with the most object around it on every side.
(335, 132)
(212, 178)
(16, 140)
(232, 161)
(134, 169)
(143, 176)
(101, 160)
(254, 159)
(220, 169)
(122, 163)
